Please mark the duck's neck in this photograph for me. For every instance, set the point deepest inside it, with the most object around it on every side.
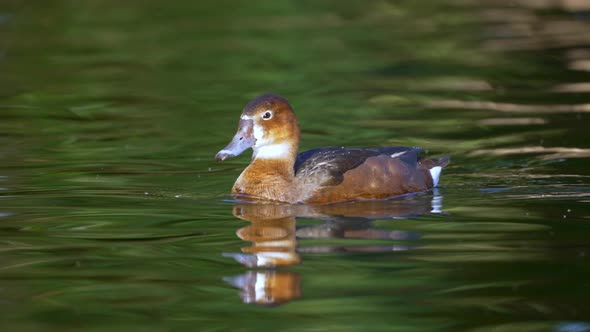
(270, 175)
(282, 151)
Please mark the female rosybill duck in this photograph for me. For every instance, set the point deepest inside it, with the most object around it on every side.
(323, 175)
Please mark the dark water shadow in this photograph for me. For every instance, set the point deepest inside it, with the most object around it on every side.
(274, 235)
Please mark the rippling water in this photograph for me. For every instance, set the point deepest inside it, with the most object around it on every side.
(115, 217)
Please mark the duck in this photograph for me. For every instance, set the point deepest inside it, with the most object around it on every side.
(325, 175)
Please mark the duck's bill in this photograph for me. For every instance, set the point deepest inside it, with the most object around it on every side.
(243, 140)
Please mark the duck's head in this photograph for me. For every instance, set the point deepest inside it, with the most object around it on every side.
(267, 125)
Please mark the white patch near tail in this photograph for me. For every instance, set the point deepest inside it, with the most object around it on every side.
(435, 173)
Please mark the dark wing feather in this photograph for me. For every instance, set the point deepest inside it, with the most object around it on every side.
(410, 156)
(326, 166)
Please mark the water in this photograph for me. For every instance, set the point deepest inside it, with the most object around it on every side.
(115, 217)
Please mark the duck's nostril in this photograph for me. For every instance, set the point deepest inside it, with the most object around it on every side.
(241, 138)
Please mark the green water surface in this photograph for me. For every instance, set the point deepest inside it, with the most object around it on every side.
(114, 215)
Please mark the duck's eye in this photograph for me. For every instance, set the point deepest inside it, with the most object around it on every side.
(267, 115)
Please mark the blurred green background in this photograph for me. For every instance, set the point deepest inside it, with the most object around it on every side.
(115, 217)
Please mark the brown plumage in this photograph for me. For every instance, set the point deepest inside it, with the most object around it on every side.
(318, 176)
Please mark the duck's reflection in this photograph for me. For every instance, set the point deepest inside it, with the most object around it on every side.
(268, 287)
(274, 235)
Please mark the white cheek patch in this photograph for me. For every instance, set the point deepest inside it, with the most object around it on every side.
(259, 134)
(263, 148)
(245, 117)
(273, 151)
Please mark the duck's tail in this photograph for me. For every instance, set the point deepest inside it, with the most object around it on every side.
(435, 166)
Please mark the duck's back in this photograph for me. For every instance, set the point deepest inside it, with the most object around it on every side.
(336, 174)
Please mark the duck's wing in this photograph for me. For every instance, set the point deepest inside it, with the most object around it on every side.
(327, 166)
